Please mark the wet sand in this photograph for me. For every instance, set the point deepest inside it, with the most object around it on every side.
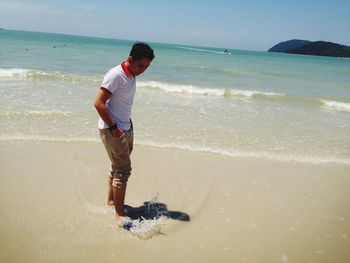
(53, 194)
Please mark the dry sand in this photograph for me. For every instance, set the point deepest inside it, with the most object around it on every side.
(52, 205)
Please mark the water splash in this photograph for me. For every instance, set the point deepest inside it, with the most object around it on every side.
(145, 228)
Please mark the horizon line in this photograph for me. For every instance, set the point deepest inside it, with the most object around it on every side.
(122, 39)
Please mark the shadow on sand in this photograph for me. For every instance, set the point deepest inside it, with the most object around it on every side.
(150, 210)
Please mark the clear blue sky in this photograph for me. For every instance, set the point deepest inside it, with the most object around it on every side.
(249, 24)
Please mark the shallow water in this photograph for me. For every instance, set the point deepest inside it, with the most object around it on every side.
(248, 104)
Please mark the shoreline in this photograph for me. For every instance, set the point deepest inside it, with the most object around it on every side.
(257, 156)
(243, 210)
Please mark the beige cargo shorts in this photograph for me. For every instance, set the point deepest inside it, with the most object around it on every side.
(119, 150)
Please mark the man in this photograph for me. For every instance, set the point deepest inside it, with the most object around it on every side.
(114, 104)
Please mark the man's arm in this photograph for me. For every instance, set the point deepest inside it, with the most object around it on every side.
(100, 105)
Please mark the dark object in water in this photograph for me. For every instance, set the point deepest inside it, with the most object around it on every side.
(151, 210)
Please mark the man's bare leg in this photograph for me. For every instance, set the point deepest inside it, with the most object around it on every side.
(118, 198)
(110, 200)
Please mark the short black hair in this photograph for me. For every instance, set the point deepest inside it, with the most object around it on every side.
(141, 50)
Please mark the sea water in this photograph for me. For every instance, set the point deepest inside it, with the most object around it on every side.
(246, 104)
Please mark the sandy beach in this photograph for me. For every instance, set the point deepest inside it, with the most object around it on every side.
(53, 208)
(240, 155)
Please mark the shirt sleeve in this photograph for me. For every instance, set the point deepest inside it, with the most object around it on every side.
(111, 81)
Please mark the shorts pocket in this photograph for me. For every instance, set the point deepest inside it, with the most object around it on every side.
(120, 143)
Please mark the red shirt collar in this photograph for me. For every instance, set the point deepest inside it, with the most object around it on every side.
(126, 69)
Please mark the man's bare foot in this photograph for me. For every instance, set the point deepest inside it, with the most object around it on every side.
(110, 203)
(123, 220)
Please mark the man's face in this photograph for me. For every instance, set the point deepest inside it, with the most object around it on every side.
(139, 66)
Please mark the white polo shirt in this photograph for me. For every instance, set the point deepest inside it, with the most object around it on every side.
(122, 85)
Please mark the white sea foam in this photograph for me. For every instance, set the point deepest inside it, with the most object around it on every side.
(40, 138)
(36, 113)
(336, 105)
(195, 90)
(185, 89)
(252, 93)
(13, 73)
(23, 73)
(258, 155)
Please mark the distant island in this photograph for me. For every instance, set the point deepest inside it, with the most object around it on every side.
(317, 48)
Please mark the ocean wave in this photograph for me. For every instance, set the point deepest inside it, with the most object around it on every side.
(14, 73)
(36, 113)
(255, 155)
(195, 90)
(211, 150)
(37, 138)
(336, 105)
(33, 74)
